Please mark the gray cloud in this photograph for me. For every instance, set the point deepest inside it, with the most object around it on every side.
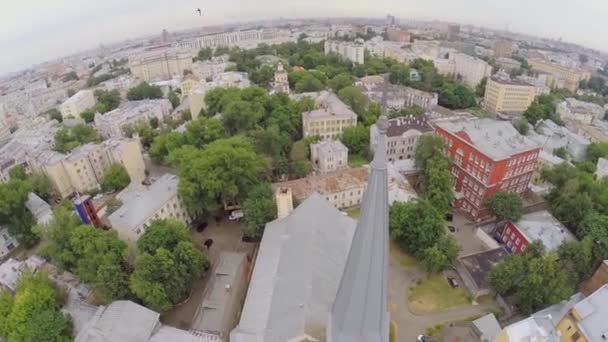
(37, 30)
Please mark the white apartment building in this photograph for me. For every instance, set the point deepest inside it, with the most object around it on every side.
(83, 169)
(209, 69)
(160, 64)
(223, 80)
(329, 155)
(141, 205)
(401, 136)
(583, 112)
(352, 51)
(113, 123)
(398, 97)
(7, 242)
(77, 104)
(470, 69)
(329, 118)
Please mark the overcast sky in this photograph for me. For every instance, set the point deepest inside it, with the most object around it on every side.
(37, 30)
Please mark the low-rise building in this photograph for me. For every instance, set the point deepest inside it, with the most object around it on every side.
(563, 76)
(399, 97)
(143, 204)
(503, 48)
(329, 118)
(114, 123)
(220, 308)
(583, 112)
(470, 69)
(329, 155)
(551, 136)
(207, 70)
(11, 270)
(223, 80)
(474, 268)
(352, 51)
(537, 226)
(504, 95)
(159, 64)
(78, 103)
(401, 136)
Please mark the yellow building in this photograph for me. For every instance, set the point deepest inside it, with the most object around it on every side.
(77, 104)
(189, 82)
(565, 77)
(83, 169)
(329, 118)
(160, 64)
(507, 96)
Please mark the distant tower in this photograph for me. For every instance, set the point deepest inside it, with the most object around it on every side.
(360, 312)
(284, 200)
(164, 37)
(281, 81)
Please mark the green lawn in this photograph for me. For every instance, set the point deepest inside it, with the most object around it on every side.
(392, 333)
(434, 294)
(354, 212)
(355, 160)
(405, 260)
(479, 112)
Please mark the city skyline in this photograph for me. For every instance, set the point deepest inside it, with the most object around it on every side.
(65, 27)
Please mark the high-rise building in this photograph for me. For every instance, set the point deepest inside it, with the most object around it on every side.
(503, 48)
(78, 103)
(164, 37)
(504, 95)
(487, 156)
(352, 51)
(160, 64)
(563, 76)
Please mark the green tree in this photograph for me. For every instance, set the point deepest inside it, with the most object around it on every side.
(54, 114)
(505, 206)
(437, 183)
(186, 115)
(17, 173)
(42, 186)
(427, 147)
(577, 259)
(33, 315)
(144, 91)
(259, 208)
(174, 99)
(262, 76)
(14, 213)
(356, 139)
(115, 178)
(480, 90)
(88, 115)
(399, 74)
(224, 172)
(340, 81)
(70, 76)
(166, 233)
(308, 83)
(415, 226)
(596, 151)
(240, 116)
(67, 139)
(354, 98)
(108, 99)
(164, 144)
(441, 255)
(204, 54)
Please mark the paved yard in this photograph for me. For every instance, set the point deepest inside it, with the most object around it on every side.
(465, 235)
(226, 237)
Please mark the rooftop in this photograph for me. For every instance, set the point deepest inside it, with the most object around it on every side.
(479, 264)
(329, 147)
(327, 104)
(79, 96)
(291, 295)
(211, 314)
(593, 311)
(496, 139)
(541, 225)
(398, 126)
(39, 208)
(143, 202)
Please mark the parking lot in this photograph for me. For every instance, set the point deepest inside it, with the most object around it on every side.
(465, 234)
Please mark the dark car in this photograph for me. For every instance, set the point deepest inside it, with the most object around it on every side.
(208, 243)
(202, 226)
(449, 217)
(453, 282)
(452, 229)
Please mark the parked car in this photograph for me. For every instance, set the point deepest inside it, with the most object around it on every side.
(202, 226)
(423, 338)
(453, 282)
(208, 243)
(452, 229)
(236, 215)
(449, 217)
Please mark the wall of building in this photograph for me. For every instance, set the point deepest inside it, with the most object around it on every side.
(508, 98)
(513, 239)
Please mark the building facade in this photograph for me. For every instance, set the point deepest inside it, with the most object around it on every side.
(329, 155)
(397, 35)
(487, 156)
(223, 80)
(563, 77)
(77, 104)
(351, 51)
(583, 112)
(160, 65)
(329, 118)
(114, 123)
(401, 136)
(143, 204)
(503, 48)
(504, 95)
(470, 70)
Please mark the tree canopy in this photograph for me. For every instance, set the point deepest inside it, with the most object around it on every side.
(115, 178)
(259, 208)
(67, 139)
(14, 213)
(144, 91)
(505, 206)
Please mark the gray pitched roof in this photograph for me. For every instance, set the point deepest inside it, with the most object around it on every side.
(360, 312)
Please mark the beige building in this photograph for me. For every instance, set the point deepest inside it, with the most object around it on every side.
(329, 155)
(397, 35)
(83, 169)
(504, 95)
(160, 64)
(113, 123)
(503, 48)
(401, 136)
(77, 104)
(470, 70)
(223, 80)
(352, 51)
(188, 83)
(563, 77)
(141, 205)
(329, 118)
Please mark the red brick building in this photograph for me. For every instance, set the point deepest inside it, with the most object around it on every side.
(488, 156)
(537, 226)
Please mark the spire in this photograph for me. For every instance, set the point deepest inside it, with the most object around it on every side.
(359, 312)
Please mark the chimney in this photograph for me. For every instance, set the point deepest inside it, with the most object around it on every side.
(284, 202)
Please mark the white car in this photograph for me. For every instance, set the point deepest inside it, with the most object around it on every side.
(422, 338)
(236, 215)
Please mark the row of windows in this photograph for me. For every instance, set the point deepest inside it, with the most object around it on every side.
(330, 122)
(522, 159)
(519, 170)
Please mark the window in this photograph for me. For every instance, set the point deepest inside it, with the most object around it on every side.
(517, 241)
(508, 231)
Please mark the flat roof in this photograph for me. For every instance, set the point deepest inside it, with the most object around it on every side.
(479, 264)
(541, 225)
